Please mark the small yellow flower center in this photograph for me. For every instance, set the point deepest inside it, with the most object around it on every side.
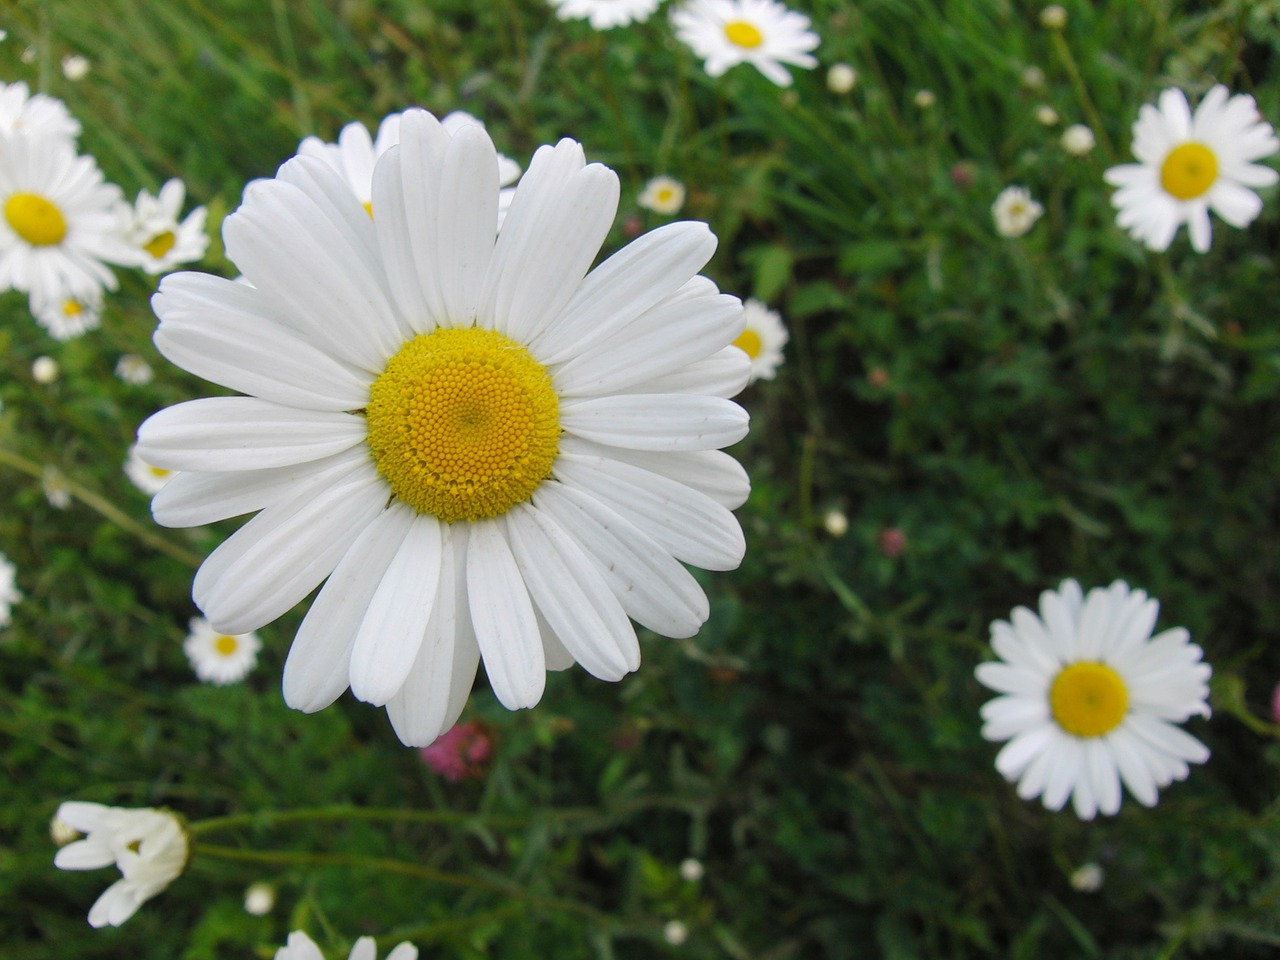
(160, 473)
(665, 194)
(35, 219)
(743, 34)
(72, 308)
(463, 424)
(749, 343)
(1188, 171)
(368, 208)
(1088, 699)
(160, 244)
(226, 646)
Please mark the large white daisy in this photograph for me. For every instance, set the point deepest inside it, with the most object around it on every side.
(488, 450)
(1191, 164)
(1090, 699)
(60, 223)
(148, 845)
(604, 14)
(35, 114)
(763, 33)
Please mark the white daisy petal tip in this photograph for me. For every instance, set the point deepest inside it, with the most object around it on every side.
(1084, 704)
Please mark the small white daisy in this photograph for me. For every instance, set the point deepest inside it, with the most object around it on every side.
(132, 369)
(149, 846)
(1015, 212)
(159, 240)
(220, 658)
(68, 314)
(299, 946)
(35, 114)
(60, 223)
(604, 14)
(1090, 699)
(662, 195)
(763, 33)
(1191, 164)
(355, 154)
(9, 592)
(762, 339)
(150, 480)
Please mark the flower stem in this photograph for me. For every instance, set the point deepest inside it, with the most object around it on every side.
(313, 814)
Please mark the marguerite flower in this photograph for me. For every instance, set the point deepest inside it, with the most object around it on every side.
(489, 451)
(355, 154)
(604, 14)
(68, 313)
(35, 114)
(159, 240)
(762, 339)
(1014, 212)
(219, 658)
(147, 478)
(149, 846)
(763, 33)
(1090, 699)
(301, 947)
(132, 369)
(1191, 165)
(9, 592)
(59, 222)
(662, 195)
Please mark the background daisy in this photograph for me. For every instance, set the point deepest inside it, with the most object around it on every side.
(159, 239)
(762, 339)
(763, 33)
(604, 14)
(220, 658)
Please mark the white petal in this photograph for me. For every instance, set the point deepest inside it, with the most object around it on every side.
(1068, 768)
(1100, 761)
(1015, 755)
(712, 472)
(723, 374)
(656, 421)
(366, 948)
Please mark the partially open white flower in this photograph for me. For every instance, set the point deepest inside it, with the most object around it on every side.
(1015, 212)
(148, 845)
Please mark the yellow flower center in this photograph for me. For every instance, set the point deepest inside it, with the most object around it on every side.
(1188, 171)
(35, 219)
(226, 646)
(1088, 699)
(749, 343)
(463, 424)
(72, 308)
(160, 244)
(743, 34)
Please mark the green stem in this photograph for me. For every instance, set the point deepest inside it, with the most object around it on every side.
(1063, 51)
(344, 812)
(105, 508)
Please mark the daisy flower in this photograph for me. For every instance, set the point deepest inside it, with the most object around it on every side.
(150, 480)
(220, 658)
(1191, 164)
(75, 67)
(1015, 212)
(604, 14)
(490, 451)
(662, 195)
(68, 314)
(35, 114)
(762, 339)
(301, 947)
(355, 154)
(132, 369)
(1089, 699)
(9, 592)
(159, 240)
(149, 846)
(763, 33)
(59, 222)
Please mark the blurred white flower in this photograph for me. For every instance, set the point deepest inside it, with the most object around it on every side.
(299, 946)
(1078, 140)
(132, 369)
(259, 899)
(924, 99)
(604, 14)
(762, 339)
(150, 480)
(841, 78)
(218, 658)
(675, 932)
(149, 846)
(1088, 698)
(61, 832)
(67, 314)
(1046, 115)
(1015, 212)
(75, 67)
(1053, 17)
(763, 33)
(159, 240)
(1190, 165)
(56, 489)
(44, 370)
(662, 195)
(1033, 78)
(35, 114)
(9, 592)
(692, 870)
(1088, 878)
(835, 523)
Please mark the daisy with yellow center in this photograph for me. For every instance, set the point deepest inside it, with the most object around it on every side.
(147, 478)
(762, 339)
(491, 451)
(605, 14)
(662, 195)
(220, 658)
(159, 239)
(35, 114)
(1089, 699)
(763, 33)
(1191, 164)
(68, 313)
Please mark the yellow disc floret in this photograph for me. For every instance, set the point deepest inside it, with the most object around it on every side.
(1188, 171)
(743, 34)
(225, 645)
(36, 220)
(749, 343)
(1088, 699)
(463, 424)
(160, 244)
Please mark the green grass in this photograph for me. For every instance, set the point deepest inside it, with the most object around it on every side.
(1067, 404)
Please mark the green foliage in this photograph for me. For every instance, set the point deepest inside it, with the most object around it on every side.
(1010, 412)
